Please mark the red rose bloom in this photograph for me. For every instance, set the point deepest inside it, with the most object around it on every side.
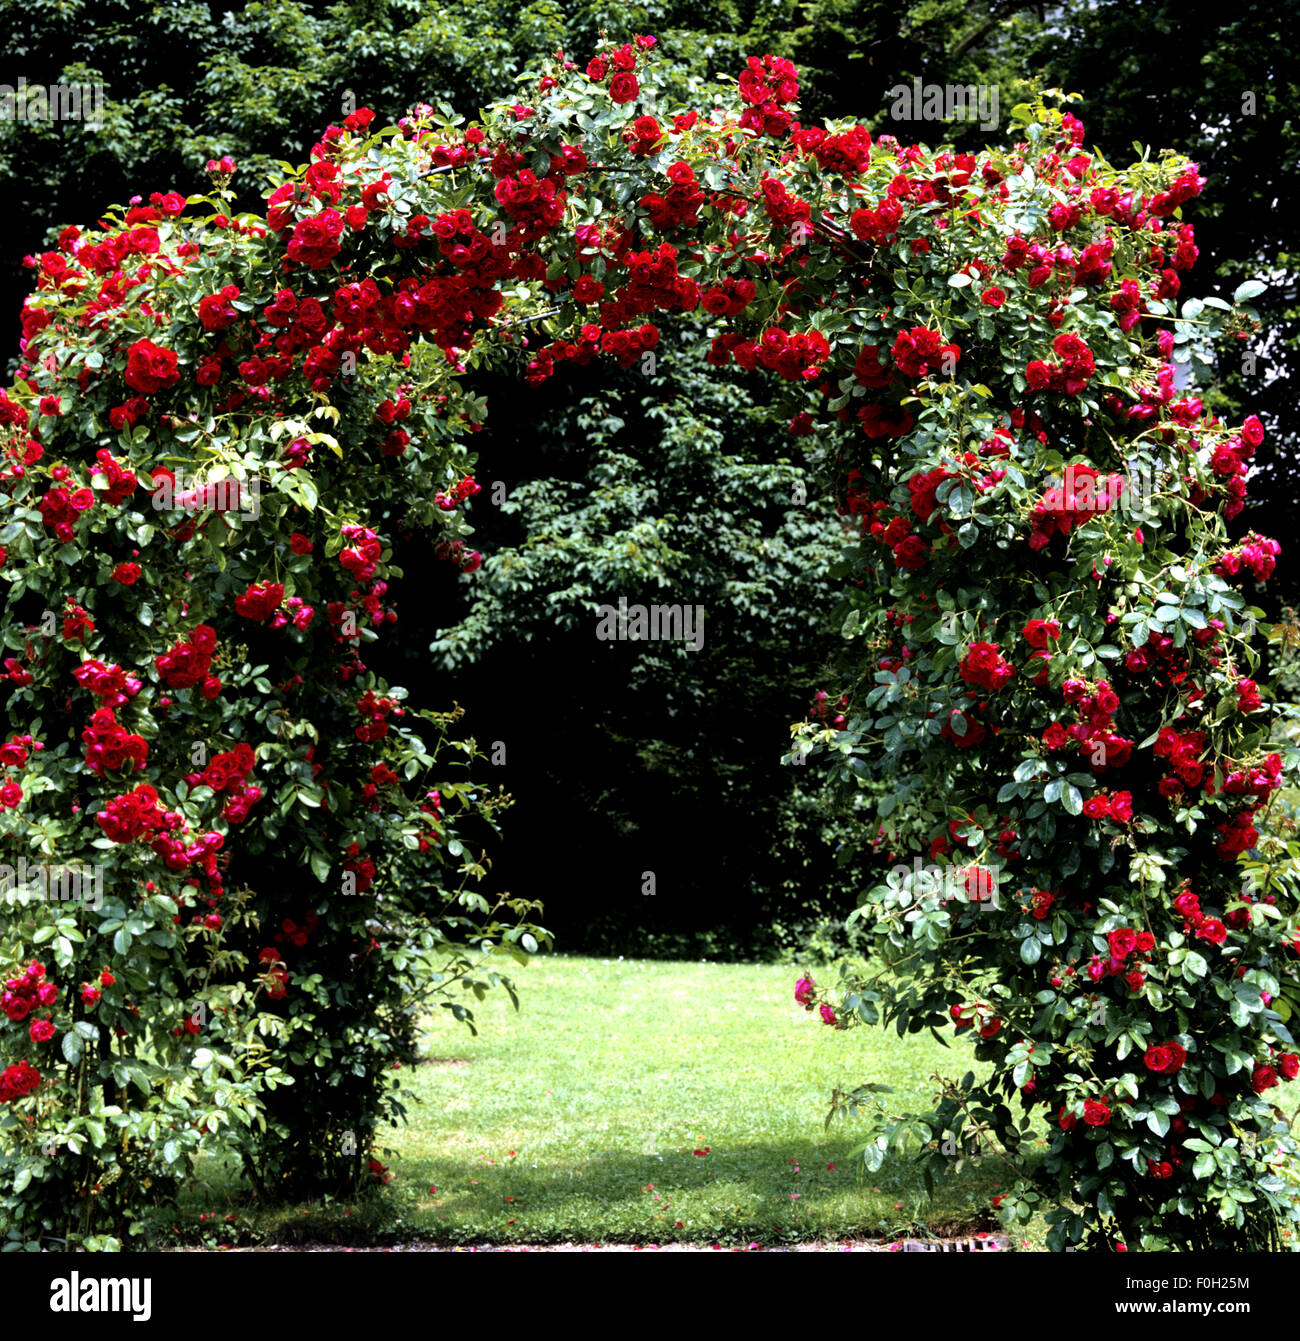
(216, 312)
(260, 600)
(1263, 1078)
(1122, 942)
(1096, 1113)
(1165, 1058)
(624, 87)
(150, 368)
(1038, 632)
(316, 240)
(1212, 930)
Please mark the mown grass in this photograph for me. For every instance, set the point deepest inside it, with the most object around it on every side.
(640, 1101)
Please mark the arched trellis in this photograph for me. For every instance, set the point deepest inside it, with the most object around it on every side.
(274, 829)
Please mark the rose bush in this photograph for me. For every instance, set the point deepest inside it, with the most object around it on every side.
(1056, 666)
(950, 333)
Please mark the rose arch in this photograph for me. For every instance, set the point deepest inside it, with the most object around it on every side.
(223, 429)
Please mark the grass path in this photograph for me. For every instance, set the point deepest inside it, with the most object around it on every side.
(658, 1102)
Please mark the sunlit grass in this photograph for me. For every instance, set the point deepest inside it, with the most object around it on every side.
(641, 1101)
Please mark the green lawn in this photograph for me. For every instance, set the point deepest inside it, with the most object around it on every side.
(579, 1119)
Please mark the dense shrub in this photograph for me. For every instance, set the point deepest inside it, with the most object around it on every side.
(953, 330)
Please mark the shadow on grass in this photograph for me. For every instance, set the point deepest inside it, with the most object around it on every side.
(755, 1193)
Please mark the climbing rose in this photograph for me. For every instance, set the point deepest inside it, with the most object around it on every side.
(1095, 1113)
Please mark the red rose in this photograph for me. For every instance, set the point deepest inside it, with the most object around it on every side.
(1165, 1058)
(1212, 930)
(1066, 1120)
(150, 368)
(1263, 1078)
(215, 311)
(624, 87)
(1096, 1113)
(316, 240)
(911, 553)
(1188, 904)
(1038, 632)
(260, 600)
(1038, 375)
(588, 290)
(1122, 942)
(1289, 1064)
